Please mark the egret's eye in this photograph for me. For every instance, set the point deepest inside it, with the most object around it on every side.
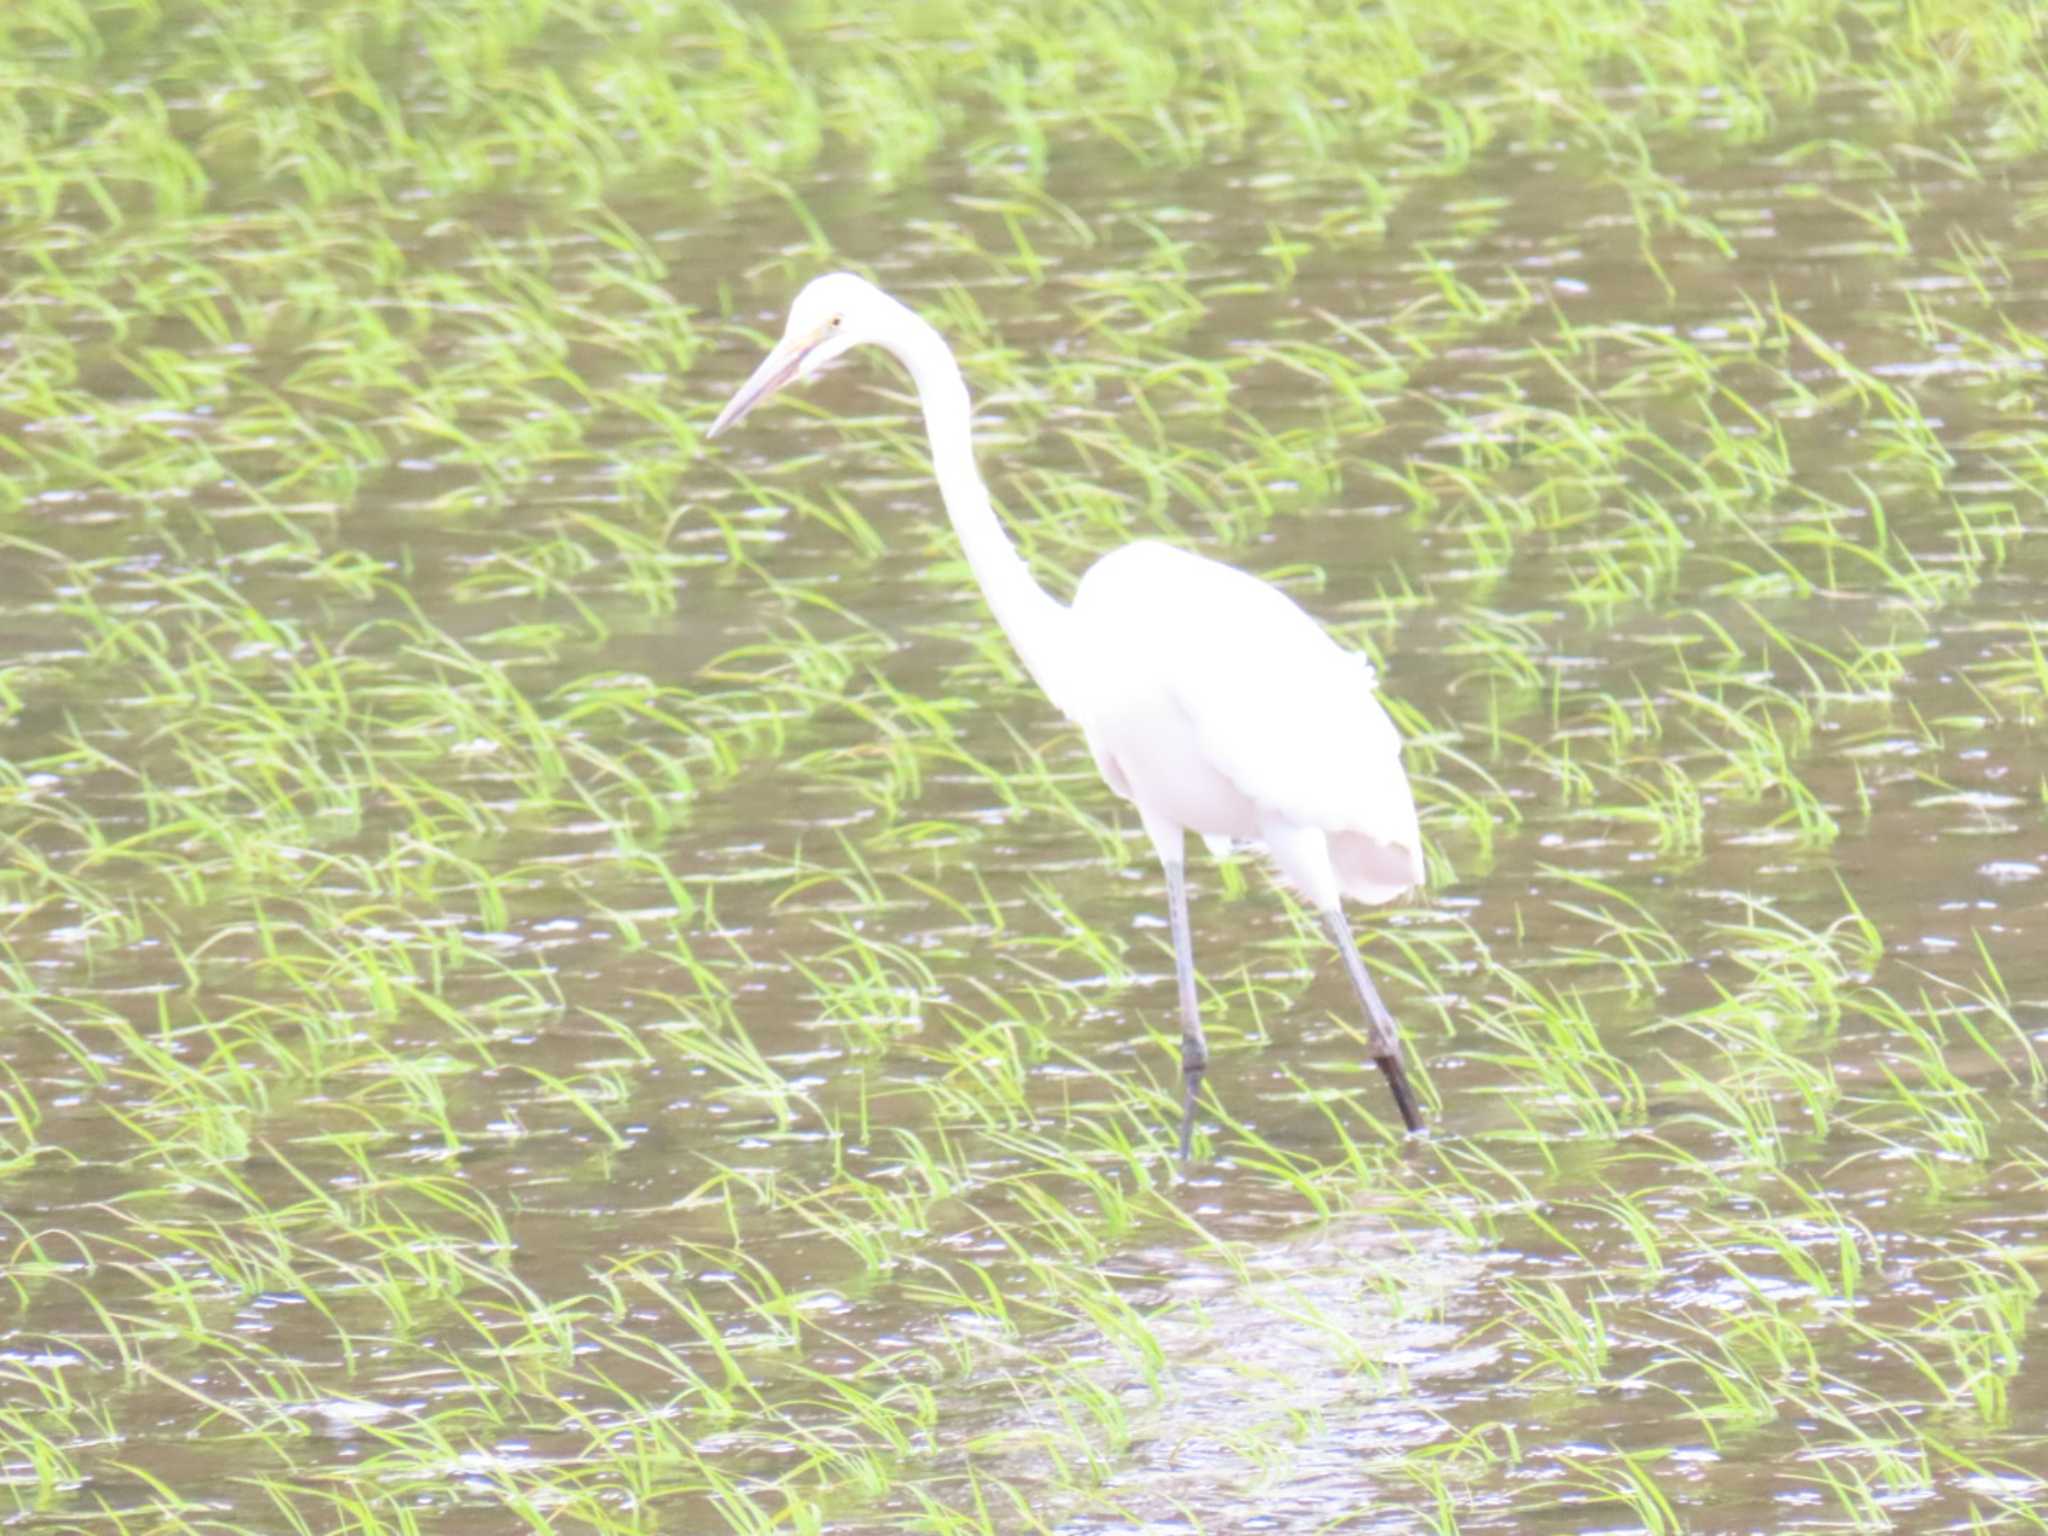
(837, 321)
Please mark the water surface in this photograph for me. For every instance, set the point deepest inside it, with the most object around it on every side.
(563, 977)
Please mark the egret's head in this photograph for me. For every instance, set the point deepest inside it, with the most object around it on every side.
(833, 314)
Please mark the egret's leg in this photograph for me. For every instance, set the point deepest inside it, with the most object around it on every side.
(1386, 1041)
(1194, 1049)
(1303, 854)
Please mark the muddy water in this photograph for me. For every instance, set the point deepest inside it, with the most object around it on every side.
(1315, 1380)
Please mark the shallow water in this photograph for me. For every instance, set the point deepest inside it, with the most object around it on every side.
(564, 978)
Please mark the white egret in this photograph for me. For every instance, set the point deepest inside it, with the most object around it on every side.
(1211, 701)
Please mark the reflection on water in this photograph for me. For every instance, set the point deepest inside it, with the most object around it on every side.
(556, 968)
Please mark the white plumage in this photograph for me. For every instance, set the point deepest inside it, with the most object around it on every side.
(1225, 708)
(1211, 700)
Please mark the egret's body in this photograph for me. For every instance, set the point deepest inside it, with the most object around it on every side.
(1211, 701)
(1190, 721)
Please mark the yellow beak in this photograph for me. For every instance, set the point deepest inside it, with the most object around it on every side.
(776, 370)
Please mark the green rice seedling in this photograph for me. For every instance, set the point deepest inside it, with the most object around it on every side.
(1722, 1396)
(1766, 1341)
(1858, 1505)
(1830, 1274)
(1647, 945)
(1986, 1018)
(1103, 953)
(1670, 804)
(872, 987)
(1628, 1213)
(986, 1072)
(1627, 1480)
(1551, 1039)
(1288, 1171)
(41, 1468)
(1557, 1335)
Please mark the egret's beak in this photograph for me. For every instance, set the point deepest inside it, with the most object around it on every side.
(777, 369)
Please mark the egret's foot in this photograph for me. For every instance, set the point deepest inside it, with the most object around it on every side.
(1386, 1040)
(1404, 1096)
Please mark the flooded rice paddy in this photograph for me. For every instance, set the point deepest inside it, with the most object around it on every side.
(559, 979)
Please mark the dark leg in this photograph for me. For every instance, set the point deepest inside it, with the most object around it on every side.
(1194, 1050)
(1386, 1042)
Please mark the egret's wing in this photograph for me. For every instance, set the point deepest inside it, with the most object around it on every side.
(1285, 713)
(1307, 737)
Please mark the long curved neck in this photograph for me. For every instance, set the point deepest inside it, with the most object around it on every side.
(1038, 624)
